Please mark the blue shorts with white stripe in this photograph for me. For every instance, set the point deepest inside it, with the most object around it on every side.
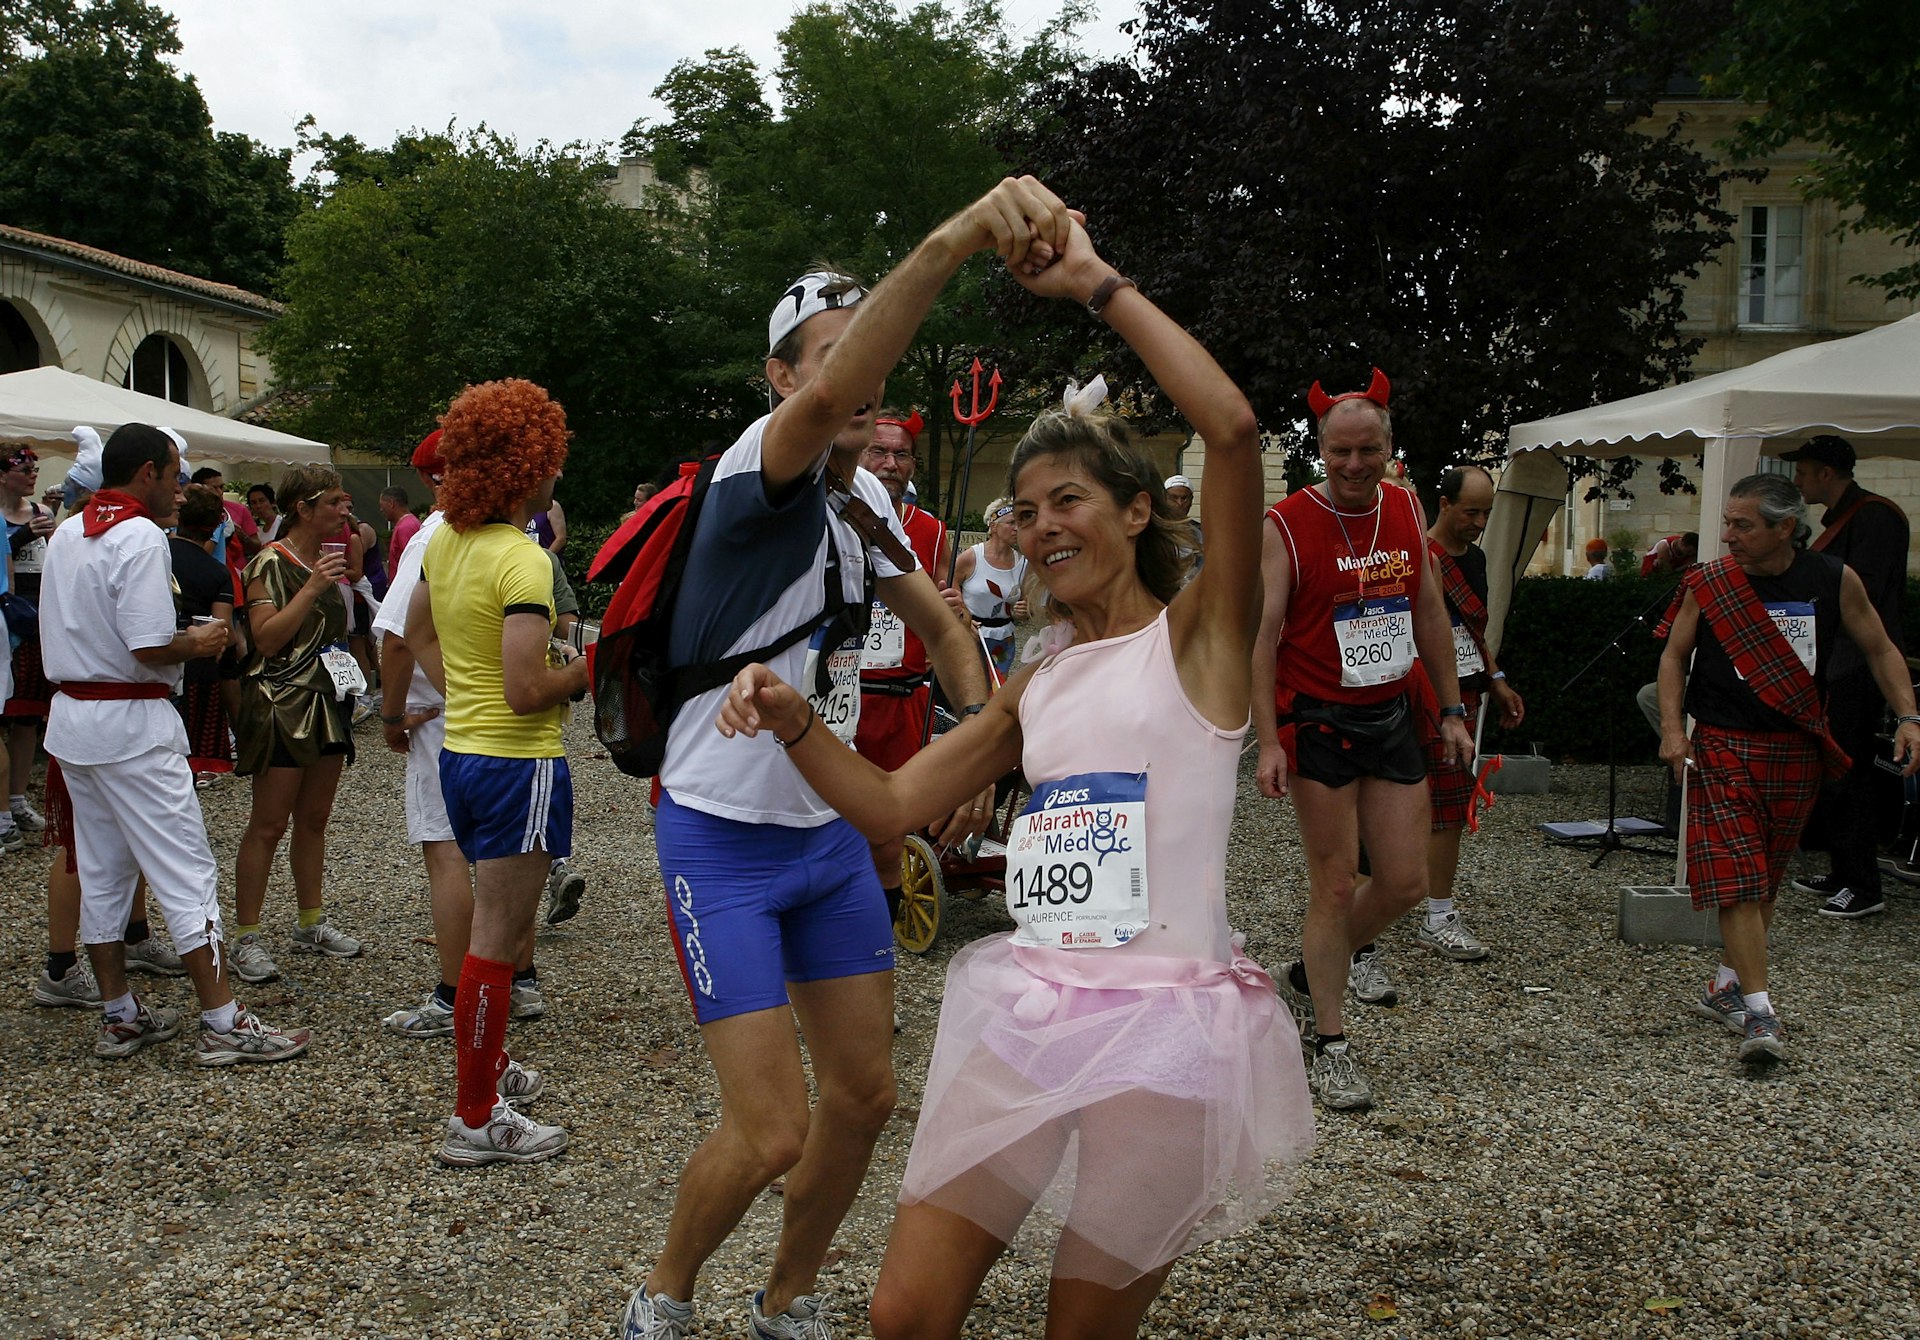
(507, 806)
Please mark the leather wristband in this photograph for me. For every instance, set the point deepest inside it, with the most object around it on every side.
(812, 716)
(386, 720)
(1109, 286)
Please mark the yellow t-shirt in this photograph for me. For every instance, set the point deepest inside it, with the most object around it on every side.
(475, 580)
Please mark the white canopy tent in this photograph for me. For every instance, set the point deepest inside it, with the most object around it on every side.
(1865, 387)
(44, 405)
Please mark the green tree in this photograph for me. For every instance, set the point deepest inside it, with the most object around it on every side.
(1451, 190)
(103, 142)
(480, 260)
(890, 122)
(1844, 74)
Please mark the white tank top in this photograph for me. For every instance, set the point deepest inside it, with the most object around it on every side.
(990, 593)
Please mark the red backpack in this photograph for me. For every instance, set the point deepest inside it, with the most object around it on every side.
(637, 690)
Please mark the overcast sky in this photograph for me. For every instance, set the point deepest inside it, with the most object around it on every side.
(580, 71)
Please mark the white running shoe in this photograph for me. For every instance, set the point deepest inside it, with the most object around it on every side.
(75, 988)
(520, 1084)
(430, 1019)
(322, 938)
(654, 1316)
(804, 1319)
(150, 1023)
(26, 818)
(250, 960)
(154, 956)
(1451, 939)
(253, 1041)
(526, 1002)
(1367, 979)
(507, 1137)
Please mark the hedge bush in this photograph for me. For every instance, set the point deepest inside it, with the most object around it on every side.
(1555, 626)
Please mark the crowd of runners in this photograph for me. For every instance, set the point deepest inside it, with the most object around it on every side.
(1116, 1058)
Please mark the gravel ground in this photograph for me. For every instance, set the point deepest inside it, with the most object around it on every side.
(1557, 1143)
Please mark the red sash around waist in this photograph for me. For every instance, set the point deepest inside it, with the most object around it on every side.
(97, 691)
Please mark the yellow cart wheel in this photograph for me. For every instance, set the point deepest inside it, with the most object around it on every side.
(921, 892)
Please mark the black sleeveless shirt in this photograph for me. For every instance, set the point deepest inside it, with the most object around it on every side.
(1717, 696)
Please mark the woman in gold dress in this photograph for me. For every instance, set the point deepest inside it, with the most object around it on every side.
(293, 727)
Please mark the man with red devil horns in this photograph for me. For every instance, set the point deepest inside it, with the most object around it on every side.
(1351, 601)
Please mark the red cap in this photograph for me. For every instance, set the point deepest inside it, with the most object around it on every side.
(426, 457)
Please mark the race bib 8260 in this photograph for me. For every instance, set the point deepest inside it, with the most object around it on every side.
(1375, 638)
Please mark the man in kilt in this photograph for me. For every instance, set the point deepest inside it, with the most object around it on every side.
(1759, 627)
(1466, 501)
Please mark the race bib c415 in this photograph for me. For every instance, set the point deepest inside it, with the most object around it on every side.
(1375, 638)
(839, 704)
(1077, 862)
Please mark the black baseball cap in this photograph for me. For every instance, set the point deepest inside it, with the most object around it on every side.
(1825, 449)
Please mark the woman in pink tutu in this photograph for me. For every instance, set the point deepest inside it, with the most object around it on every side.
(1115, 1059)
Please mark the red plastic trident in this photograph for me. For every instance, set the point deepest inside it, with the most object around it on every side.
(993, 396)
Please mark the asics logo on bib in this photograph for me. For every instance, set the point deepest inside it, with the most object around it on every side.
(1066, 797)
(692, 950)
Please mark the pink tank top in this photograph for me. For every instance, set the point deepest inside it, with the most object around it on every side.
(1117, 706)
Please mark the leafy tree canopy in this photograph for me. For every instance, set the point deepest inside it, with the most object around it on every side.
(103, 142)
(461, 258)
(1449, 189)
(1844, 74)
(890, 121)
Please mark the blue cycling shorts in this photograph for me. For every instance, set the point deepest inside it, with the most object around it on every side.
(755, 906)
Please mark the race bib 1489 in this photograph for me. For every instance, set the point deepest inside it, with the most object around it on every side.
(1077, 862)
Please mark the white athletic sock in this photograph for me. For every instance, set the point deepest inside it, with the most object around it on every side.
(1438, 910)
(1725, 978)
(17, 802)
(1757, 1003)
(221, 1019)
(121, 1010)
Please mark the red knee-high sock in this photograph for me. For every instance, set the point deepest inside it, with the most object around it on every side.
(480, 1013)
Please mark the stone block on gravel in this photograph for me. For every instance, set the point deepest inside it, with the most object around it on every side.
(1663, 914)
(1521, 775)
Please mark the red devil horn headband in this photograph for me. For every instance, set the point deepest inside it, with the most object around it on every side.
(911, 425)
(1377, 391)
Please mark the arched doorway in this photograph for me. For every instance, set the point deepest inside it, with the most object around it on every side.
(159, 368)
(19, 347)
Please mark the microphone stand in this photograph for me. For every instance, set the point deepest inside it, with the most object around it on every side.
(1609, 840)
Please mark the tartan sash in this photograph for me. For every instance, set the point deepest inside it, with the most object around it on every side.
(1462, 599)
(1758, 651)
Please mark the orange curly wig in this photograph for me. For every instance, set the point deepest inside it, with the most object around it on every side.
(498, 441)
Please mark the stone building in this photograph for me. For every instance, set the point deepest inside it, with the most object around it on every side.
(125, 322)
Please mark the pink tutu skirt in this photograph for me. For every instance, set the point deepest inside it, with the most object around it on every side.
(1147, 1118)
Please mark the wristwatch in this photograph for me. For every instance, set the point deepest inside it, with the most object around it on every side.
(1109, 286)
(1457, 710)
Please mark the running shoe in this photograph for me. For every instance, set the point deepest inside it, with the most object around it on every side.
(804, 1319)
(564, 887)
(322, 938)
(429, 1019)
(12, 839)
(1367, 979)
(150, 1023)
(1821, 886)
(1724, 1005)
(1849, 905)
(75, 988)
(253, 1041)
(1451, 939)
(519, 1084)
(527, 1002)
(1338, 1082)
(654, 1316)
(152, 956)
(26, 818)
(1763, 1039)
(250, 960)
(363, 708)
(1300, 1002)
(507, 1137)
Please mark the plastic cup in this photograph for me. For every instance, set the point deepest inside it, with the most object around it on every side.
(200, 619)
(337, 548)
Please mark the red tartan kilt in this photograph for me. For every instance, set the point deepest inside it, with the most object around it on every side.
(32, 695)
(1449, 785)
(204, 712)
(1747, 802)
(59, 815)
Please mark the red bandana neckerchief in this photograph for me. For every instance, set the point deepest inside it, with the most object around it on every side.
(106, 509)
(1754, 644)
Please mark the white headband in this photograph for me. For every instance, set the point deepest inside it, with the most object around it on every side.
(808, 298)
